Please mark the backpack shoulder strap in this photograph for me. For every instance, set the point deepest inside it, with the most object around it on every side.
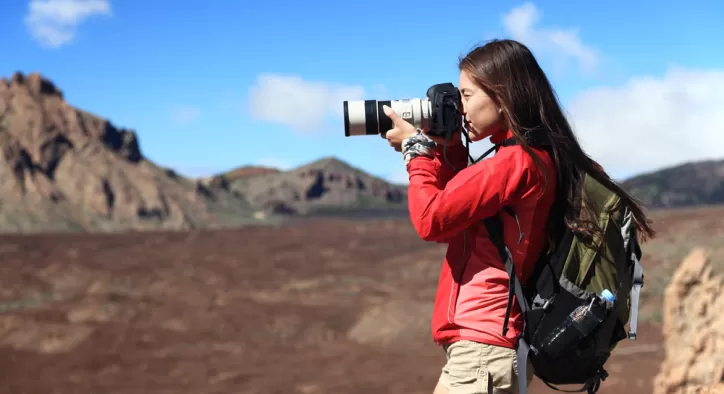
(494, 226)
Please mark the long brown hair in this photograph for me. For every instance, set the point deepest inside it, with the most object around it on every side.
(509, 73)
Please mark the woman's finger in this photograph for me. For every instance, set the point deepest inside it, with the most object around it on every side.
(389, 134)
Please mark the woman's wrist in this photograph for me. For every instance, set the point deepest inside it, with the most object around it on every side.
(417, 145)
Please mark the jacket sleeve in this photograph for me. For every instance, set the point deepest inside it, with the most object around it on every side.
(476, 192)
(456, 155)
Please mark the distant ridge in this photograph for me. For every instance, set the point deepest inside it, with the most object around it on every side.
(685, 185)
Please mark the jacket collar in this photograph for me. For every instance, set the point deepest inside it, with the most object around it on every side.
(501, 136)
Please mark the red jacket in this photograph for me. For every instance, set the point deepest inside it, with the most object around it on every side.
(447, 207)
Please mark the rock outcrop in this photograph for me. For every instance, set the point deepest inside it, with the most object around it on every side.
(62, 168)
(694, 330)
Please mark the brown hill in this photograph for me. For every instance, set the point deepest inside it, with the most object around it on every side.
(62, 168)
(248, 171)
(325, 186)
(688, 184)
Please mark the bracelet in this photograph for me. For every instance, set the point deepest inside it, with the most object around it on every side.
(417, 145)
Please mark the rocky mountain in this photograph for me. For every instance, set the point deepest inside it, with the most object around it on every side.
(689, 184)
(62, 168)
(325, 186)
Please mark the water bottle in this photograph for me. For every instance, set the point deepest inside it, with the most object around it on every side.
(576, 326)
(606, 295)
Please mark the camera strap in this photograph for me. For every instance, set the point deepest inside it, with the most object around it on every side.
(535, 137)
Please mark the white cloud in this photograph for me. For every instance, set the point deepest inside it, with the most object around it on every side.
(303, 105)
(185, 114)
(650, 123)
(562, 44)
(54, 22)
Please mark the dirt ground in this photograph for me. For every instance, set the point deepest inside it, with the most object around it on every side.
(324, 306)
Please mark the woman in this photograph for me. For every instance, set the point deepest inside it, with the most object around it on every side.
(504, 94)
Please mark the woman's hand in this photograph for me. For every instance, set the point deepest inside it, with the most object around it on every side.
(401, 129)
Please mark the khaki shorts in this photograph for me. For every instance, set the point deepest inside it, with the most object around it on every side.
(479, 368)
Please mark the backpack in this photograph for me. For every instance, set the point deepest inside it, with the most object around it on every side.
(589, 284)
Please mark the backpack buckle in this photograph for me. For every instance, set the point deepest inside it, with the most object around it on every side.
(546, 306)
(541, 303)
(638, 280)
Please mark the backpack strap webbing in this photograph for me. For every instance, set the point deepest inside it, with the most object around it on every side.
(636, 277)
(494, 225)
(638, 282)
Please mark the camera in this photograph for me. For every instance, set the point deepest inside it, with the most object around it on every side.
(438, 115)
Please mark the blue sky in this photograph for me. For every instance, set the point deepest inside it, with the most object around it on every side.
(209, 86)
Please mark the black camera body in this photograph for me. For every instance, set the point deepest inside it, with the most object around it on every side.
(445, 110)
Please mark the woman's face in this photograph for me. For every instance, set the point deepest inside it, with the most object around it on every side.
(483, 117)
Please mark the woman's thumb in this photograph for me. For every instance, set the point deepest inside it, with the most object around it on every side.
(389, 112)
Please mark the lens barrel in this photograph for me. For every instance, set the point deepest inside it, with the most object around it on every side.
(365, 117)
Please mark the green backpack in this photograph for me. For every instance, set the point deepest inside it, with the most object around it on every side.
(580, 296)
